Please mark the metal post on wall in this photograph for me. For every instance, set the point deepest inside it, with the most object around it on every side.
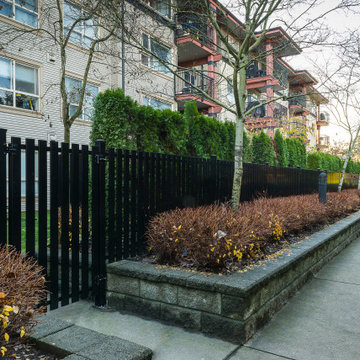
(322, 187)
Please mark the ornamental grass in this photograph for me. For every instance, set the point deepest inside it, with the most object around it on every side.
(216, 238)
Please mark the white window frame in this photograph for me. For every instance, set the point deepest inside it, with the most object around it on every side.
(14, 5)
(168, 15)
(145, 96)
(145, 55)
(13, 83)
(82, 117)
(82, 26)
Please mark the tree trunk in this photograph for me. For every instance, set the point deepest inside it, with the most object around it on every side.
(238, 163)
(67, 132)
(352, 145)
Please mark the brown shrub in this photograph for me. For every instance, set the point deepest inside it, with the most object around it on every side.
(22, 289)
(215, 237)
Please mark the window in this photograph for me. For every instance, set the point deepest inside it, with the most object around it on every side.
(85, 31)
(161, 51)
(18, 85)
(24, 11)
(162, 6)
(156, 104)
(73, 87)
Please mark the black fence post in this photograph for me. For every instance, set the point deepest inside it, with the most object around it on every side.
(3, 202)
(98, 223)
(15, 193)
(322, 187)
(298, 170)
(214, 180)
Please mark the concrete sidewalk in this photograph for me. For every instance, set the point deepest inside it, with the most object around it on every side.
(321, 322)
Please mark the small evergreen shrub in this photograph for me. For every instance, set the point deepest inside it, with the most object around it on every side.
(216, 237)
(262, 149)
(22, 289)
(281, 149)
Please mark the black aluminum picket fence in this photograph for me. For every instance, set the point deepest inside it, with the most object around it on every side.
(77, 208)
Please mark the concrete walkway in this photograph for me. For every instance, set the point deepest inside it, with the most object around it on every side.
(321, 322)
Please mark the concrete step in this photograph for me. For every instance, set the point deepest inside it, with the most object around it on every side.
(73, 342)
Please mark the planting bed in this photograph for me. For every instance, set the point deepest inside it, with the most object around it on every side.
(231, 307)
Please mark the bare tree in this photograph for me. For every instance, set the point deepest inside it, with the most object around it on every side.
(240, 45)
(342, 86)
(61, 24)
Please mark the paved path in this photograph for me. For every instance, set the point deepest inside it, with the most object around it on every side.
(321, 322)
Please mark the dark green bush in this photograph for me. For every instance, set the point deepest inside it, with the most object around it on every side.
(247, 149)
(281, 149)
(297, 152)
(262, 149)
(319, 160)
(122, 123)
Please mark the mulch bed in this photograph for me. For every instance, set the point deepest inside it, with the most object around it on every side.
(27, 351)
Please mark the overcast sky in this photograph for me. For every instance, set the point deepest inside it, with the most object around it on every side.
(338, 22)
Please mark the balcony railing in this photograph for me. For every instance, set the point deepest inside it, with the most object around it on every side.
(191, 26)
(254, 72)
(191, 81)
(324, 140)
(299, 100)
(280, 111)
(324, 118)
(281, 73)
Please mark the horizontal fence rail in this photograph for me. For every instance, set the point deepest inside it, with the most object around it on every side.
(75, 208)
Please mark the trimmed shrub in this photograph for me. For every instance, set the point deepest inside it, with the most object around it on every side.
(262, 149)
(247, 157)
(122, 123)
(297, 152)
(281, 149)
(216, 237)
(319, 160)
(22, 289)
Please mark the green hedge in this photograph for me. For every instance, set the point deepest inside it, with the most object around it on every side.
(318, 160)
(262, 149)
(123, 123)
(282, 153)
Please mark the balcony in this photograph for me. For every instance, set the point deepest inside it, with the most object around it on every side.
(194, 40)
(280, 111)
(324, 142)
(260, 119)
(259, 79)
(297, 104)
(188, 83)
(281, 73)
(324, 119)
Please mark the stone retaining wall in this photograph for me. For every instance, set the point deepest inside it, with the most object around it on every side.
(231, 307)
